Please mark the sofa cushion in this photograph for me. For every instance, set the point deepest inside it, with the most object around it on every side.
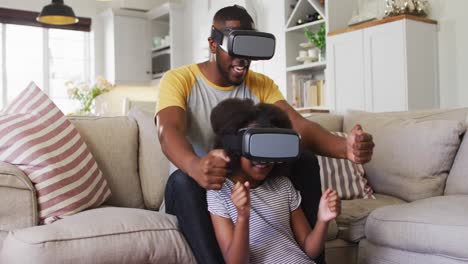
(103, 235)
(153, 164)
(344, 176)
(38, 139)
(114, 143)
(401, 165)
(375, 254)
(330, 122)
(353, 117)
(457, 180)
(435, 226)
(354, 213)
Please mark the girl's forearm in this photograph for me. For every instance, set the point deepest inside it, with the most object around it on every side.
(238, 251)
(315, 241)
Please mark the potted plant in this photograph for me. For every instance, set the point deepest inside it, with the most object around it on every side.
(318, 39)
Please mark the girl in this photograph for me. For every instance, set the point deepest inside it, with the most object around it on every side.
(256, 214)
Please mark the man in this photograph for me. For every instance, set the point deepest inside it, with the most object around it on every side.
(188, 94)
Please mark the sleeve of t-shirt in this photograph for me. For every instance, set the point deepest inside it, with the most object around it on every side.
(294, 196)
(264, 88)
(174, 89)
(216, 204)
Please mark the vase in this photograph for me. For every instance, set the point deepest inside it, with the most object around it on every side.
(322, 54)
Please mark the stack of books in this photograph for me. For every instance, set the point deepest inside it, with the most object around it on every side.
(307, 91)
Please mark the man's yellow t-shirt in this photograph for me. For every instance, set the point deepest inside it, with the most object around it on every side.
(189, 89)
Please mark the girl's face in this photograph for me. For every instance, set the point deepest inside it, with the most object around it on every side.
(255, 172)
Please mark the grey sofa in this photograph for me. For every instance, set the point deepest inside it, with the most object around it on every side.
(418, 172)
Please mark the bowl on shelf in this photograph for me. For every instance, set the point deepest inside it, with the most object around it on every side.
(306, 45)
(306, 59)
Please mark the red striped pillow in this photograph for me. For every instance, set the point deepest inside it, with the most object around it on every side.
(344, 176)
(37, 138)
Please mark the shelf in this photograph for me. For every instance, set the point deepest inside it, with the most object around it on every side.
(160, 48)
(320, 65)
(314, 109)
(309, 24)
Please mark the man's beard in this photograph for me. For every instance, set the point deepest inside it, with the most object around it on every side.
(225, 73)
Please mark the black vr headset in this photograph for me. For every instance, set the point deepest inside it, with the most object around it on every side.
(248, 44)
(264, 144)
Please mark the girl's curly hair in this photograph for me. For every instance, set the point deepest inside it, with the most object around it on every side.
(232, 114)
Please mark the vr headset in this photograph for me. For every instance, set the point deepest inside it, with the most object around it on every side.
(264, 144)
(248, 44)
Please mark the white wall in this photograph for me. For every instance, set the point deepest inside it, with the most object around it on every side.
(83, 8)
(269, 18)
(453, 50)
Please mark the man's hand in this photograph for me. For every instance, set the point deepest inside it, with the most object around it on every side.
(210, 171)
(329, 206)
(359, 145)
(240, 197)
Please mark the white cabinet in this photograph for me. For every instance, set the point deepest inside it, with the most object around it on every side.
(126, 47)
(166, 37)
(388, 65)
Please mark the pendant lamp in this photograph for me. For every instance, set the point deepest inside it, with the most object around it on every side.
(57, 13)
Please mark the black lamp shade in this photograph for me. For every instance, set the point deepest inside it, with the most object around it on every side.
(57, 13)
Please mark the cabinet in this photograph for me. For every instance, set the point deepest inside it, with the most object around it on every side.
(127, 50)
(385, 65)
(166, 35)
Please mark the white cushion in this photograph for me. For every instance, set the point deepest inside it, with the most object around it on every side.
(434, 226)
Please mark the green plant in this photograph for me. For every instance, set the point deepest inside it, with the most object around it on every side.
(318, 39)
(85, 95)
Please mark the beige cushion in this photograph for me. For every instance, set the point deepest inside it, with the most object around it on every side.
(375, 254)
(435, 226)
(354, 213)
(153, 164)
(457, 181)
(103, 235)
(330, 122)
(3, 235)
(353, 117)
(113, 141)
(332, 231)
(339, 251)
(402, 164)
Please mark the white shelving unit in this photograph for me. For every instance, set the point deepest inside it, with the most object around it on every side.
(295, 35)
(336, 14)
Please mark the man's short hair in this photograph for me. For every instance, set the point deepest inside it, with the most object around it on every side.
(234, 12)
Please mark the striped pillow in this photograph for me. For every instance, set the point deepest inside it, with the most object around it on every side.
(344, 176)
(37, 138)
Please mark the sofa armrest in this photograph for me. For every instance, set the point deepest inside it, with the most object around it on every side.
(18, 208)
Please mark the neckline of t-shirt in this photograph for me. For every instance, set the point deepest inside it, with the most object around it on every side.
(223, 88)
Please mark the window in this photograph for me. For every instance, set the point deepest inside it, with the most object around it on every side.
(48, 56)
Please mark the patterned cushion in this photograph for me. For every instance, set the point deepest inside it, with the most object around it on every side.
(344, 176)
(38, 139)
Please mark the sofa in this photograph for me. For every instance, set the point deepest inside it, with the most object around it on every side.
(418, 172)
(127, 229)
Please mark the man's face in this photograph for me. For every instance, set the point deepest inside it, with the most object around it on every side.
(232, 69)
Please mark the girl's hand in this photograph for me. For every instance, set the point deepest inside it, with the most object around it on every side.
(330, 206)
(241, 198)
